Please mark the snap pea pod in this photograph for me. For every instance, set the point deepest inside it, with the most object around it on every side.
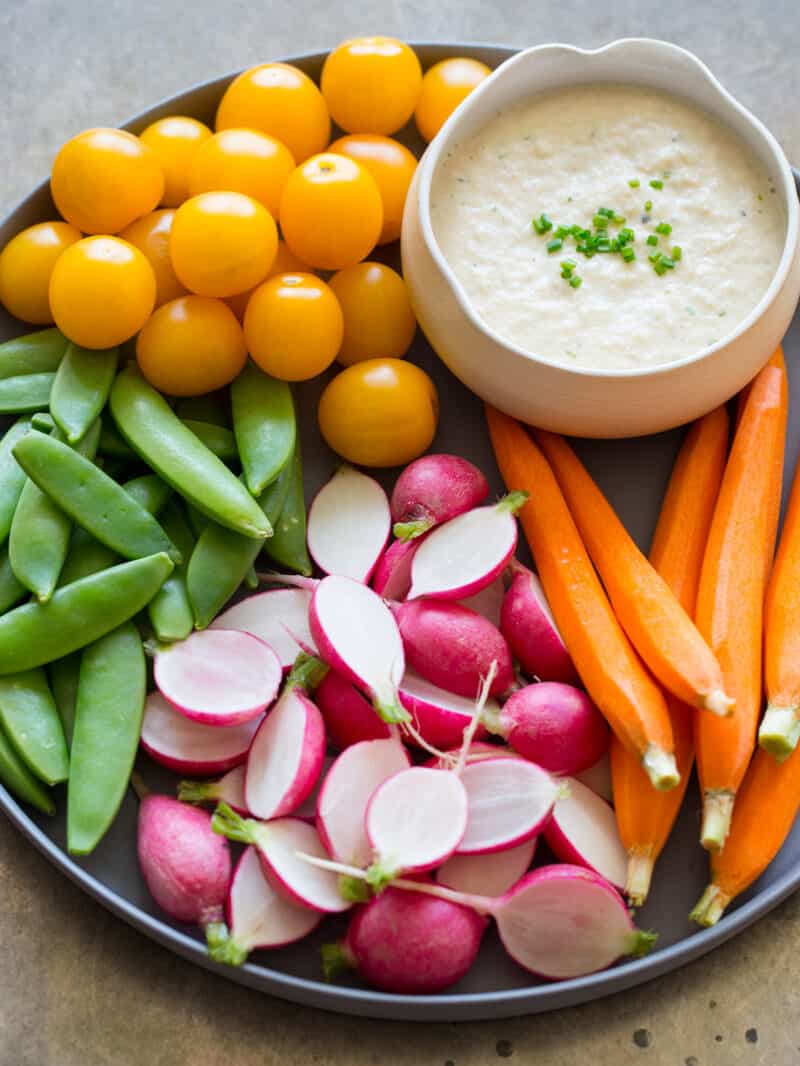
(287, 546)
(31, 722)
(113, 445)
(218, 565)
(80, 389)
(218, 439)
(150, 492)
(28, 392)
(211, 408)
(38, 633)
(12, 476)
(156, 433)
(64, 685)
(42, 421)
(265, 425)
(108, 721)
(273, 497)
(11, 589)
(170, 610)
(35, 353)
(91, 498)
(18, 779)
(197, 521)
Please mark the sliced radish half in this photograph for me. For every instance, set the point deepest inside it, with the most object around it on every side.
(349, 524)
(279, 617)
(228, 789)
(598, 778)
(308, 808)
(491, 874)
(488, 602)
(349, 716)
(528, 625)
(583, 831)
(392, 577)
(191, 747)
(440, 717)
(218, 676)
(509, 801)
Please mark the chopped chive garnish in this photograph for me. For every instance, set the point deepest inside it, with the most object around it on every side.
(652, 239)
(542, 224)
(664, 229)
(626, 235)
(634, 183)
(600, 221)
(606, 212)
(554, 245)
(656, 183)
(648, 205)
(677, 253)
(619, 220)
(563, 231)
(628, 254)
(576, 281)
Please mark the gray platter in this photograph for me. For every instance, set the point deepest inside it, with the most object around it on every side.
(634, 476)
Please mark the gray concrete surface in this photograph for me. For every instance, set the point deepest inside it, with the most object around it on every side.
(78, 987)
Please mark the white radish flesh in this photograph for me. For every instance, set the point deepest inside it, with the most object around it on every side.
(279, 617)
(279, 844)
(349, 524)
(392, 577)
(488, 602)
(440, 717)
(583, 831)
(308, 808)
(190, 747)
(228, 789)
(509, 802)
(434, 489)
(349, 716)
(598, 778)
(219, 677)
(491, 874)
(528, 625)
(346, 792)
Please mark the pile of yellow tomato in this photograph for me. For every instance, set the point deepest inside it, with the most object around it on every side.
(206, 246)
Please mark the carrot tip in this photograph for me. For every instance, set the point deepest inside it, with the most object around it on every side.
(660, 767)
(640, 872)
(779, 732)
(710, 907)
(717, 811)
(718, 703)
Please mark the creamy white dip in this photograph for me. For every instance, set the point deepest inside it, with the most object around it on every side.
(570, 152)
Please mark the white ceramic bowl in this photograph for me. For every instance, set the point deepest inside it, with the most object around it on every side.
(578, 401)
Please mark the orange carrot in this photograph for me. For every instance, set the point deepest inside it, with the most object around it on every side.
(649, 612)
(613, 674)
(730, 600)
(645, 819)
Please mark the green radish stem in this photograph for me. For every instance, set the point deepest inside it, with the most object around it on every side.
(469, 732)
(221, 946)
(307, 672)
(411, 530)
(779, 731)
(512, 502)
(336, 959)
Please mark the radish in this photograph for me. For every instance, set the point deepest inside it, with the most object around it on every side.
(552, 724)
(452, 647)
(346, 792)
(229, 788)
(349, 716)
(407, 942)
(220, 677)
(392, 577)
(509, 802)
(285, 758)
(488, 602)
(190, 747)
(475, 752)
(279, 617)
(598, 778)
(583, 831)
(415, 820)
(527, 623)
(308, 808)
(357, 635)
(258, 917)
(281, 846)
(432, 490)
(440, 717)
(467, 553)
(349, 524)
(490, 874)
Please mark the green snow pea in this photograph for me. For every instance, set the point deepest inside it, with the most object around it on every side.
(287, 546)
(31, 722)
(170, 610)
(197, 520)
(64, 686)
(12, 476)
(211, 408)
(81, 387)
(91, 498)
(28, 392)
(35, 353)
(220, 562)
(154, 431)
(150, 492)
(218, 439)
(37, 633)
(42, 421)
(113, 445)
(108, 720)
(11, 589)
(265, 425)
(274, 496)
(17, 778)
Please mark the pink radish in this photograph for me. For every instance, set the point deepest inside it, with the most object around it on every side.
(285, 758)
(583, 831)
(488, 602)
(453, 647)
(434, 489)
(308, 808)
(281, 846)
(346, 792)
(509, 802)
(229, 789)
(220, 677)
(357, 635)
(392, 577)
(258, 917)
(190, 747)
(598, 778)
(527, 623)
(490, 874)
(407, 942)
(440, 717)
(463, 556)
(477, 750)
(349, 524)
(415, 821)
(349, 716)
(554, 725)
(279, 617)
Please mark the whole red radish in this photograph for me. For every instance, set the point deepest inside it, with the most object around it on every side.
(349, 717)
(527, 623)
(392, 577)
(434, 489)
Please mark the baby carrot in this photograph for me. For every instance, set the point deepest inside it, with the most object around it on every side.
(730, 600)
(614, 676)
(644, 819)
(656, 624)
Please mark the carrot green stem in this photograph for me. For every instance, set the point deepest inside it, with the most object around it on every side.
(717, 811)
(710, 907)
(718, 703)
(660, 767)
(780, 731)
(411, 530)
(640, 873)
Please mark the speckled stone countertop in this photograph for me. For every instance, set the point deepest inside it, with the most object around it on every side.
(77, 986)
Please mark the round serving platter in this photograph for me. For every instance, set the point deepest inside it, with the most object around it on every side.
(633, 474)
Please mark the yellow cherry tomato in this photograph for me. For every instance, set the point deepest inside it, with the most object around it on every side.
(243, 161)
(444, 86)
(103, 179)
(151, 236)
(280, 100)
(293, 326)
(391, 165)
(331, 212)
(382, 412)
(191, 346)
(371, 84)
(222, 243)
(26, 264)
(378, 320)
(175, 139)
(102, 291)
(286, 262)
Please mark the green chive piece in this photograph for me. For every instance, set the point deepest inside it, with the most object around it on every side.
(677, 253)
(652, 239)
(648, 205)
(634, 183)
(628, 254)
(627, 235)
(542, 224)
(619, 220)
(567, 267)
(563, 231)
(576, 281)
(600, 221)
(606, 212)
(656, 183)
(554, 245)
(664, 229)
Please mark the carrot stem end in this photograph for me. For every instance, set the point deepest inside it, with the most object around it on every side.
(640, 873)
(717, 811)
(660, 767)
(779, 731)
